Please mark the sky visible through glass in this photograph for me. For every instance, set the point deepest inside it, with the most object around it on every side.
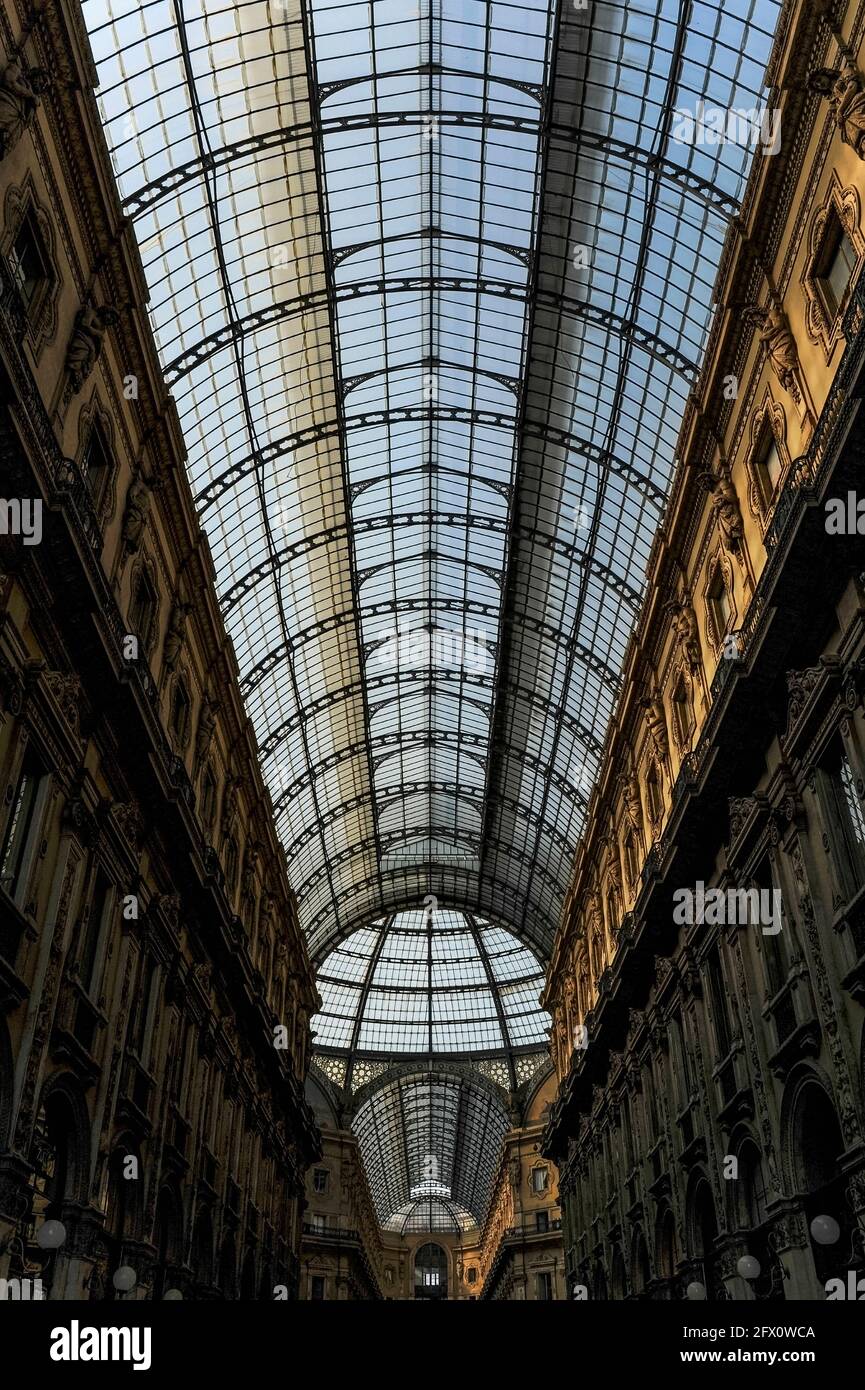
(430, 282)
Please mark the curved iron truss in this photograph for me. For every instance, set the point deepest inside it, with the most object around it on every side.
(431, 285)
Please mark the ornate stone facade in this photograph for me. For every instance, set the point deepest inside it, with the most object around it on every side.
(710, 1119)
(155, 989)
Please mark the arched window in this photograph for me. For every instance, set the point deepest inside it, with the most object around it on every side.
(431, 1272)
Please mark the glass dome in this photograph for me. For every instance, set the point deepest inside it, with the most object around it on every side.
(430, 982)
(431, 1214)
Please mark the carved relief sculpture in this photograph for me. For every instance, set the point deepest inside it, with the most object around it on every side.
(85, 344)
(175, 634)
(725, 506)
(136, 513)
(687, 633)
(845, 90)
(20, 92)
(657, 723)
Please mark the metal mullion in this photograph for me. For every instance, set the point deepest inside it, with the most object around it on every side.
(494, 991)
(367, 984)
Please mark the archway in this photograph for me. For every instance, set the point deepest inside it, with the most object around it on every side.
(122, 1210)
(202, 1249)
(665, 1249)
(640, 1271)
(168, 1239)
(703, 1228)
(431, 1272)
(817, 1145)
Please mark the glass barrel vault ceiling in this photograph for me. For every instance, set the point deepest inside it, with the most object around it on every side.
(430, 445)
(430, 1147)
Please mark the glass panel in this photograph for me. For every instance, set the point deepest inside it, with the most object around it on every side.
(430, 355)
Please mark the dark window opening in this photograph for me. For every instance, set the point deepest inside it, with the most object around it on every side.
(96, 464)
(28, 262)
(720, 1007)
(142, 613)
(19, 826)
(847, 821)
(93, 931)
(836, 266)
(769, 466)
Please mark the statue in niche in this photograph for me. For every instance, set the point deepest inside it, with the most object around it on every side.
(20, 92)
(85, 344)
(687, 633)
(845, 90)
(777, 339)
(656, 720)
(633, 805)
(206, 727)
(725, 505)
(175, 635)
